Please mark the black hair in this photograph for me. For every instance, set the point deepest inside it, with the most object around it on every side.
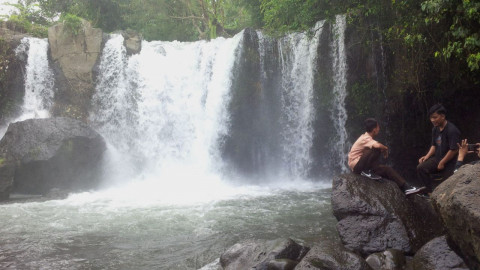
(370, 124)
(437, 108)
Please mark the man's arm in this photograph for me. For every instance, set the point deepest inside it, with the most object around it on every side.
(382, 148)
(450, 154)
(430, 153)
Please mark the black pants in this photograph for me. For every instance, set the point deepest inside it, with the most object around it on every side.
(370, 161)
(429, 167)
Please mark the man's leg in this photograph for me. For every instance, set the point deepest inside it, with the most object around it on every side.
(424, 170)
(368, 160)
(389, 173)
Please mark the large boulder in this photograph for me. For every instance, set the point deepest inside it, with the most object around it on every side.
(39, 155)
(282, 254)
(330, 255)
(457, 200)
(74, 57)
(375, 216)
(436, 254)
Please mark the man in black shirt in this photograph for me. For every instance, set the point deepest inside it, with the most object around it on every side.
(443, 150)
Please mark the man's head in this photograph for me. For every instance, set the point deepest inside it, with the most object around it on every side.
(437, 115)
(372, 127)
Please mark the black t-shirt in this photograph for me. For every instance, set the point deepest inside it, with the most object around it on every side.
(445, 140)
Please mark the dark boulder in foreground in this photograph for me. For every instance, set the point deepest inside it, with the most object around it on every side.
(376, 216)
(331, 255)
(457, 200)
(39, 155)
(279, 254)
(436, 254)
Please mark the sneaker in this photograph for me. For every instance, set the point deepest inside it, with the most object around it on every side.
(415, 190)
(371, 175)
(423, 196)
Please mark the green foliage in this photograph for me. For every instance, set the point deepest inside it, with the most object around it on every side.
(461, 21)
(28, 18)
(72, 22)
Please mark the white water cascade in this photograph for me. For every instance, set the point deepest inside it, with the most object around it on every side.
(39, 80)
(298, 55)
(163, 111)
(339, 113)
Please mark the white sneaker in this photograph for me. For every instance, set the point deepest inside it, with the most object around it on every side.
(414, 190)
(370, 175)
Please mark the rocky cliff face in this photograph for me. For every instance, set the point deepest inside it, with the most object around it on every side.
(11, 74)
(74, 58)
(457, 200)
(39, 155)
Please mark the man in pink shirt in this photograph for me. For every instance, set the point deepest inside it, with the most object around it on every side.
(365, 154)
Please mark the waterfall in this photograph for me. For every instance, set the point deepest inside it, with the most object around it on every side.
(298, 55)
(164, 110)
(39, 80)
(339, 113)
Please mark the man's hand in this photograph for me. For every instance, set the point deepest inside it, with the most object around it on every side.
(462, 150)
(440, 166)
(422, 159)
(385, 153)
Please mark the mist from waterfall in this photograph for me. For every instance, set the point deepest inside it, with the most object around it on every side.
(39, 80)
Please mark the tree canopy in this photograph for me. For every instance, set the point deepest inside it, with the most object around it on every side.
(444, 29)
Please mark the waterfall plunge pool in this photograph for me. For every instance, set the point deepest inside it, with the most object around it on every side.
(137, 226)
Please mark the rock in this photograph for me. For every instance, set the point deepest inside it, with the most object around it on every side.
(12, 87)
(261, 254)
(391, 259)
(375, 216)
(457, 200)
(74, 58)
(436, 254)
(39, 155)
(132, 41)
(329, 256)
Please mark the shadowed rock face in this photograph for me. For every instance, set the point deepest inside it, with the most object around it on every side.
(330, 255)
(373, 216)
(457, 200)
(38, 155)
(436, 254)
(260, 254)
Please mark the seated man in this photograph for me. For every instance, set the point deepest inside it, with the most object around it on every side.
(443, 148)
(364, 158)
(463, 151)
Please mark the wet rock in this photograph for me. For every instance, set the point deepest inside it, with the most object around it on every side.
(39, 155)
(457, 200)
(74, 57)
(331, 256)
(376, 216)
(132, 42)
(260, 254)
(391, 259)
(436, 254)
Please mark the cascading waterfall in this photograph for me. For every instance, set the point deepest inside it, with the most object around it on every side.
(165, 114)
(39, 80)
(298, 55)
(165, 109)
(339, 113)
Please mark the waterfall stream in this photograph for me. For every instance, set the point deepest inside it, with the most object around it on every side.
(168, 200)
(39, 80)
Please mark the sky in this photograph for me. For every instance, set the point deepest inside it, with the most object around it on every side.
(6, 10)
